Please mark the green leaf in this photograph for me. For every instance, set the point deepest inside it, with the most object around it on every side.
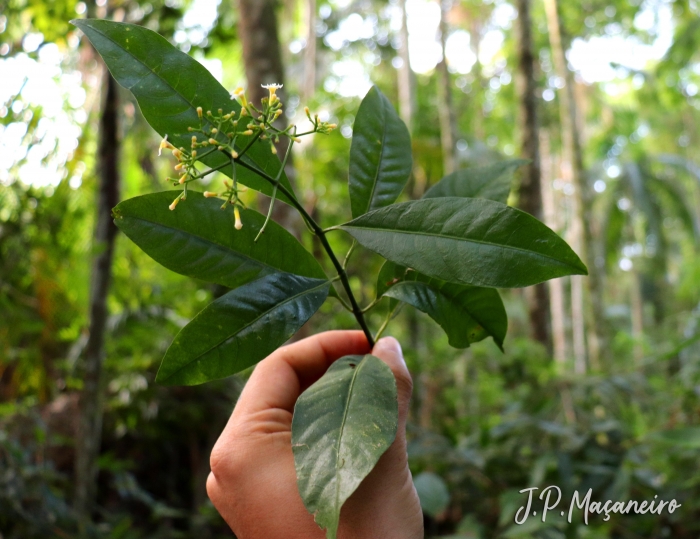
(169, 85)
(685, 437)
(342, 425)
(380, 155)
(467, 241)
(490, 181)
(241, 328)
(198, 239)
(468, 314)
(432, 492)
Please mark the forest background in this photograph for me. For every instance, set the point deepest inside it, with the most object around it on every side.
(599, 385)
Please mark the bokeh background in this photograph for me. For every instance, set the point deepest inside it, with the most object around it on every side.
(599, 385)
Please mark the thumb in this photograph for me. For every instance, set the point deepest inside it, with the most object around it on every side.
(389, 351)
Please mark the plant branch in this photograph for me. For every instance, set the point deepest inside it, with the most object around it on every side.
(320, 233)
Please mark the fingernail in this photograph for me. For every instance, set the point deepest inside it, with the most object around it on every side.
(388, 345)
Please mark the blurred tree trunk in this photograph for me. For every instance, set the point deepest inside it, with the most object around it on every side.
(310, 53)
(90, 422)
(637, 307)
(257, 26)
(530, 192)
(444, 94)
(309, 88)
(479, 84)
(407, 89)
(591, 291)
(552, 219)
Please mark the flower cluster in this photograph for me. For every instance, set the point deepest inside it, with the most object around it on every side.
(233, 133)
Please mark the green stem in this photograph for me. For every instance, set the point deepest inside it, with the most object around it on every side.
(386, 321)
(316, 228)
(274, 191)
(372, 304)
(347, 256)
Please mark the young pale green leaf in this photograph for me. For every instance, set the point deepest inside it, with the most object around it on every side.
(468, 314)
(490, 181)
(380, 155)
(467, 241)
(198, 239)
(342, 425)
(240, 328)
(169, 85)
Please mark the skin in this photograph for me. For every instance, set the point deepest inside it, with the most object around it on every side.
(253, 482)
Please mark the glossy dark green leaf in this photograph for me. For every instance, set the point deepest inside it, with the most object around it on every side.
(490, 181)
(467, 241)
(468, 314)
(342, 425)
(432, 492)
(380, 155)
(169, 85)
(241, 328)
(198, 239)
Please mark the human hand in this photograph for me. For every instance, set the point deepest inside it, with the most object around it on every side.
(253, 480)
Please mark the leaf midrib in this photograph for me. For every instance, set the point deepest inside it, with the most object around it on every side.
(246, 326)
(457, 238)
(381, 156)
(342, 428)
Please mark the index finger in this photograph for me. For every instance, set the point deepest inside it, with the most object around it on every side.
(279, 379)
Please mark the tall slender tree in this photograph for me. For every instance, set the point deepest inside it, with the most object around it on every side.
(407, 88)
(309, 84)
(91, 399)
(444, 93)
(530, 192)
(591, 287)
(262, 58)
(557, 302)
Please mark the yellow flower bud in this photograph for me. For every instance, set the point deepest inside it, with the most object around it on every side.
(183, 178)
(214, 130)
(213, 141)
(274, 150)
(164, 144)
(209, 194)
(199, 112)
(174, 204)
(247, 132)
(234, 154)
(237, 214)
(179, 166)
(194, 153)
(177, 153)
